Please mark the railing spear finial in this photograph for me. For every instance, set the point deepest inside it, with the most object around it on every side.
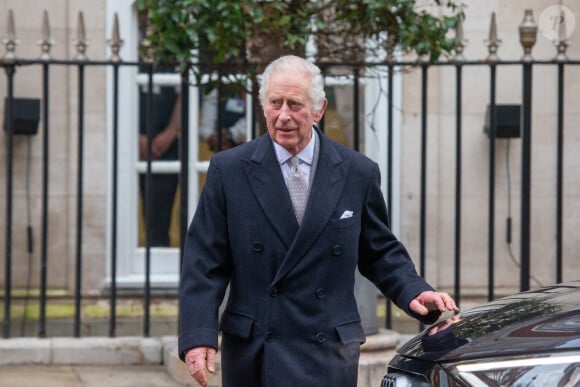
(81, 42)
(390, 46)
(145, 51)
(461, 41)
(528, 32)
(492, 42)
(10, 40)
(46, 41)
(562, 42)
(115, 42)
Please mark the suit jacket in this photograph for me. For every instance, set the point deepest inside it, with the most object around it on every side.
(291, 318)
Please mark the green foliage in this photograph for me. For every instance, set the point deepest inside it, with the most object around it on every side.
(220, 33)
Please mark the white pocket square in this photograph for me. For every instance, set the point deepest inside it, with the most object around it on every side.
(346, 214)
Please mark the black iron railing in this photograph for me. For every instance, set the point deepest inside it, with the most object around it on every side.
(393, 69)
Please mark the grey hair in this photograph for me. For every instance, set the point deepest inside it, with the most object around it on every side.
(296, 64)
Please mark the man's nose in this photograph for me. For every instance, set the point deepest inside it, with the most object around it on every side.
(284, 112)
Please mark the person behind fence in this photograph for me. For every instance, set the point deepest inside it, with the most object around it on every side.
(232, 121)
(165, 124)
(285, 220)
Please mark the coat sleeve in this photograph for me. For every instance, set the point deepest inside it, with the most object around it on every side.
(383, 259)
(206, 267)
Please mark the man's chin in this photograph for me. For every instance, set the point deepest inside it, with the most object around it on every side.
(290, 146)
(288, 140)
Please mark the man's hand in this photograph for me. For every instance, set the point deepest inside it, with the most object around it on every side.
(212, 141)
(442, 326)
(162, 142)
(430, 301)
(197, 360)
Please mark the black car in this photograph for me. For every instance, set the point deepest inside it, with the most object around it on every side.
(528, 339)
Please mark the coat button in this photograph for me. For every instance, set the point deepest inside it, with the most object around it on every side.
(269, 336)
(273, 291)
(337, 250)
(320, 337)
(320, 294)
(257, 247)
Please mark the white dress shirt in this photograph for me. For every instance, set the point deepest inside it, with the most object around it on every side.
(306, 157)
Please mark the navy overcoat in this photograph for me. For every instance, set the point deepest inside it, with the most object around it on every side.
(291, 319)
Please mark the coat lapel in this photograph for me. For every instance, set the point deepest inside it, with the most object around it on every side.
(327, 187)
(268, 185)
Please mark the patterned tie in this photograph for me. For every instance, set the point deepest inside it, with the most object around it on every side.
(298, 189)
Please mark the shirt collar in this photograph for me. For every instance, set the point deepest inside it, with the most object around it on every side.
(306, 154)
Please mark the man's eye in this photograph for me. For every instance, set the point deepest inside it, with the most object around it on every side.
(294, 105)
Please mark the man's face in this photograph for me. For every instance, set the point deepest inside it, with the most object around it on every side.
(289, 111)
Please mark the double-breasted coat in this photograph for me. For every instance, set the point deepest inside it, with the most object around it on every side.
(291, 318)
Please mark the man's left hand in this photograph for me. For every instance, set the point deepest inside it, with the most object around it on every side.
(430, 301)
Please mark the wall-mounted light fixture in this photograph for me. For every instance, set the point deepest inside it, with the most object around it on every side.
(25, 115)
(507, 118)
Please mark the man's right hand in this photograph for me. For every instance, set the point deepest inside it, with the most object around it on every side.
(197, 360)
(212, 141)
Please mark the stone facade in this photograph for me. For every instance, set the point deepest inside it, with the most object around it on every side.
(441, 150)
(441, 136)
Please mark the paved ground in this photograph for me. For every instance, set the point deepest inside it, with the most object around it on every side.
(85, 376)
(128, 362)
(91, 361)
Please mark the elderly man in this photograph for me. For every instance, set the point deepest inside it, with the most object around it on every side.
(285, 220)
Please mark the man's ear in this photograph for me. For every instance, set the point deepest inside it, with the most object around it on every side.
(320, 113)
